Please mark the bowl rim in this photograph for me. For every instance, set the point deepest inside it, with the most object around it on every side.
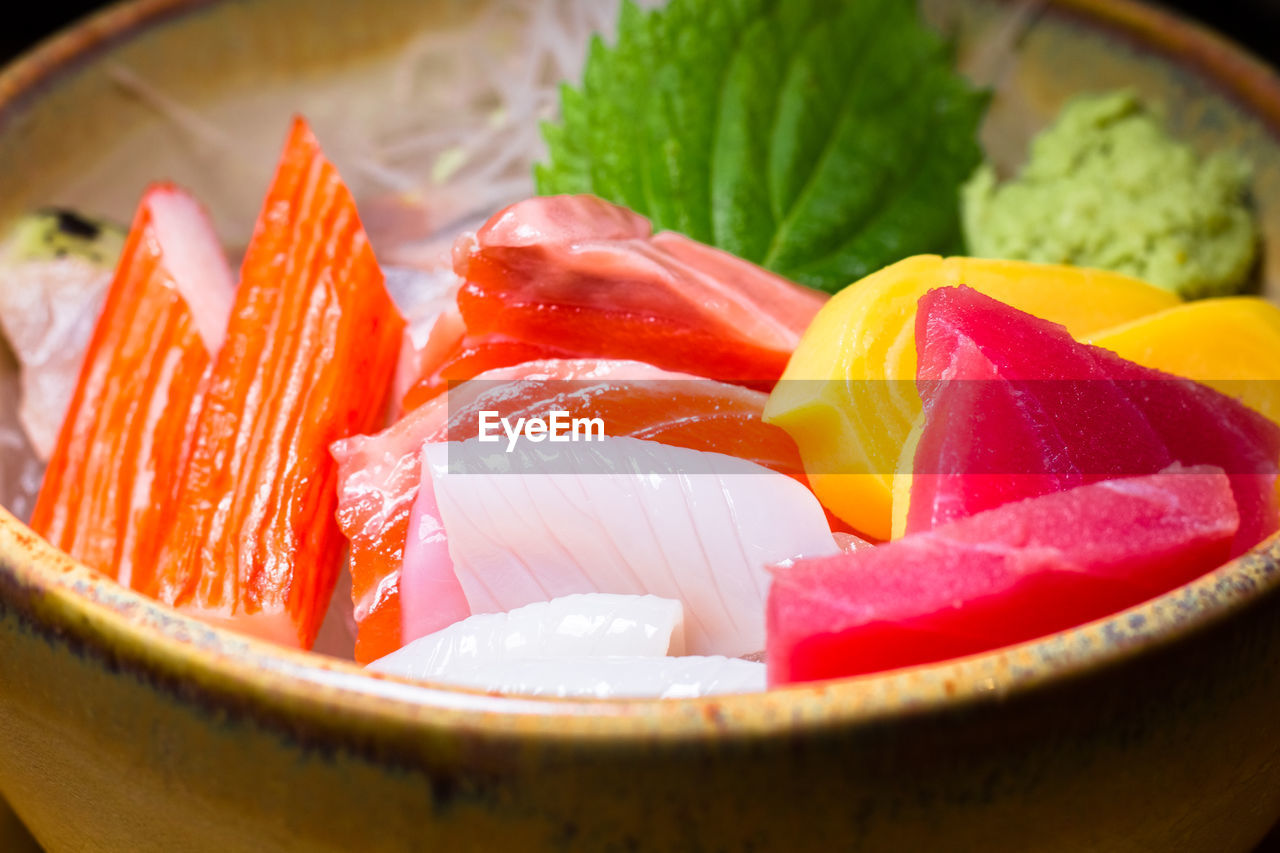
(67, 603)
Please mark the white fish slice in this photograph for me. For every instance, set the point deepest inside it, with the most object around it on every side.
(574, 626)
(614, 677)
(621, 515)
(47, 311)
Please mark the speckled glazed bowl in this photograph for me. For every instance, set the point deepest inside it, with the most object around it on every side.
(126, 727)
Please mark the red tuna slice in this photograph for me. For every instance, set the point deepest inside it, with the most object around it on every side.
(581, 275)
(1014, 407)
(1020, 571)
(379, 475)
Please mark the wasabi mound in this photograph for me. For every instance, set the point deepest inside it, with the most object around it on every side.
(1107, 187)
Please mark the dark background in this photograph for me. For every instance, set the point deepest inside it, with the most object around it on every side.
(1254, 23)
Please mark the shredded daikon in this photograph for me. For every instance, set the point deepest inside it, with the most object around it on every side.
(463, 109)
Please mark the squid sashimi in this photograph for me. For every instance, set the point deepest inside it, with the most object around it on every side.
(589, 625)
(309, 355)
(617, 677)
(109, 490)
(619, 515)
(564, 276)
(379, 475)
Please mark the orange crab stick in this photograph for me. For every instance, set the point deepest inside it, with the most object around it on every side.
(308, 359)
(112, 475)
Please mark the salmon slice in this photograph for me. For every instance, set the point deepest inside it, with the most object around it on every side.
(380, 474)
(578, 277)
(110, 483)
(309, 356)
(470, 356)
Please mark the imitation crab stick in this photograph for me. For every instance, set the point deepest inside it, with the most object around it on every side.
(308, 359)
(114, 470)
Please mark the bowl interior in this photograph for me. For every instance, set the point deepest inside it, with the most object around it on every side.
(201, 93)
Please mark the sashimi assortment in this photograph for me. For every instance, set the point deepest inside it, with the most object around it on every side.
(592, 460)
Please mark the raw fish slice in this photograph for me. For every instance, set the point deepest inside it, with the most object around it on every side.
(109, 489)
(590, 625)
(309, 357)
(581, 252)
(1019, 571)
(467, 357)
(434, 581)
(54, 275)
(1202, 426)
(612, 677)
(50, 349)
(1025, 438)
(379, 475)
(1015, 407)
(589, 279)
(620, 515)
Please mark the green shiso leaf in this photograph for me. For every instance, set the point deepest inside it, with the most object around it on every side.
(822, 139)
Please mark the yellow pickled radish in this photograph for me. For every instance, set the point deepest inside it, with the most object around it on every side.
(1231, 344)
(848, 395)
(901, 494)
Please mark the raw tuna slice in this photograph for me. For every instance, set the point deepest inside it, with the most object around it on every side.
(576, 276)
(379, 475)
(1020, 571)
(619, 515)
(1015, 407)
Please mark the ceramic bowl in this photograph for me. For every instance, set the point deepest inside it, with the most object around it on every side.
(127, 727)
